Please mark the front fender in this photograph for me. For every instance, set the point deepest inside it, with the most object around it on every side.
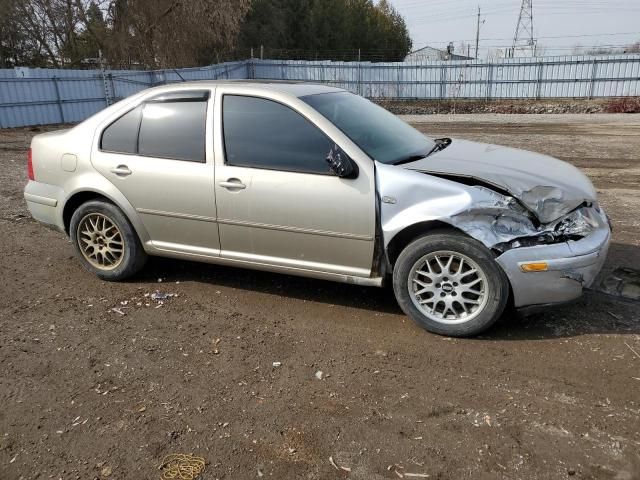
(408, 197)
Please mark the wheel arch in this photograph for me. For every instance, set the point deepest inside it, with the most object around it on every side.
(405, 236)
(79, 197)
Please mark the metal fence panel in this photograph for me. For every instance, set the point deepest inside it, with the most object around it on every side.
(521, 78)
(34, 96)
(31, 96)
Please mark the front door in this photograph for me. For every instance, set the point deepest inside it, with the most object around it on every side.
(277, 201)
(156, 156)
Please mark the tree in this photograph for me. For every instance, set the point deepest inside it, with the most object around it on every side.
(94, 31)
(16, 48)
(627, 49)
(181, 33)
(44, 26)
(175, 33)
(326, 29)
(148, 33)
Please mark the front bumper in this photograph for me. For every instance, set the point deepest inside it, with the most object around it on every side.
(44, 203)
(572, 266)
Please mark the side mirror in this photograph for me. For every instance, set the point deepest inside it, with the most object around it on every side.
(340, 164)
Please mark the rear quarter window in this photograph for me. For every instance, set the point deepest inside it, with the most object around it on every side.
(122, 135)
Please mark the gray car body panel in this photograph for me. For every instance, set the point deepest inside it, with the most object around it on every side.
(548, 187)
(410, 196)
(512, 186)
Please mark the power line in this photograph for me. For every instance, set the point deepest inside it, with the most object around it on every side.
(448, 11)
(558, 37)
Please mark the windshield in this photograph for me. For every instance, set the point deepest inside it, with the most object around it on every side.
(382, 135)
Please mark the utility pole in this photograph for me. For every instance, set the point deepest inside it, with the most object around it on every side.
(478, 32)
(523, 39)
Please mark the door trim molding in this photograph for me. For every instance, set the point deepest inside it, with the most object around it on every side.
(310, 231)
(176, 215)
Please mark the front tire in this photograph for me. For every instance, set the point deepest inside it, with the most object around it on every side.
(450, 284)
(105, 242)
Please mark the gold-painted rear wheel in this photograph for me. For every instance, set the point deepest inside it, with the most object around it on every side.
(100, 241)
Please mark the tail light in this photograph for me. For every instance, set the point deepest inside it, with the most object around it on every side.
(30, 166)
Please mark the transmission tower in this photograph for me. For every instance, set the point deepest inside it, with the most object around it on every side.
(524, 45)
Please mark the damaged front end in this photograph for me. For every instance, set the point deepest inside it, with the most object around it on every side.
(502, 222)
(517, 198)
(485, 212)
(537, 226)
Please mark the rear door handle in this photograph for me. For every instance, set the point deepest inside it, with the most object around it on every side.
(233, 184)
(121, 170)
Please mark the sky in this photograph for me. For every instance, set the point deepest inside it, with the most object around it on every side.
(558, 25)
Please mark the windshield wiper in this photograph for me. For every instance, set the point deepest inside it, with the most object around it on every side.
(440, 144)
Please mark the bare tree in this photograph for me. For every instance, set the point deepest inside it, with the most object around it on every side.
(608, 50)
(146, 33)
(52, 25)
(633, 48)
(172, 33)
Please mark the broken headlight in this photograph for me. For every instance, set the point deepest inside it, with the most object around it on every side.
(579, 223)
(573, 226)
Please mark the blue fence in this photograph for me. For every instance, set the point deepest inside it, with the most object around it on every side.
(512, 78)
(44, 96)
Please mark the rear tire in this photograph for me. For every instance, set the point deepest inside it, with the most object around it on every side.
(450, 284)
(105, 242)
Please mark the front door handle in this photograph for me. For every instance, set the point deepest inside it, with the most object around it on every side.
(233, 184)
(121, 170)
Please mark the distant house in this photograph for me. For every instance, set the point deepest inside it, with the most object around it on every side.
(426, 54)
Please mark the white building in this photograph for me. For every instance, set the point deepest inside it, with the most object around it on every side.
(426, 54)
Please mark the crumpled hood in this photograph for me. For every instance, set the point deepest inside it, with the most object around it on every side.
(548, 187)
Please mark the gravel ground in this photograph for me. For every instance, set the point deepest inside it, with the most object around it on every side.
(89, 393)
(511, 106)
(624, 120)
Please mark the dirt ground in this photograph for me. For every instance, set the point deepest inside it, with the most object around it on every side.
(512, 106)
(86, 392)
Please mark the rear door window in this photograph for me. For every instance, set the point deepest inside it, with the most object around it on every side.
(173, 130)
(171, 126)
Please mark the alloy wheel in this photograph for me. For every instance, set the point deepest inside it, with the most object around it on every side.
(100, 241)
(448, 287)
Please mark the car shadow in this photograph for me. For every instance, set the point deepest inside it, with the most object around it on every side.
(594, 313)
(290, 286)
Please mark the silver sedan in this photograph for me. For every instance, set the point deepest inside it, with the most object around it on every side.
(312, 180)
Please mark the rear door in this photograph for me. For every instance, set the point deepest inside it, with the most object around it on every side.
(157, 155)
(277, 201)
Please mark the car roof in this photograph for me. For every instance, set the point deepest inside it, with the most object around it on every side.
(298, 89)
